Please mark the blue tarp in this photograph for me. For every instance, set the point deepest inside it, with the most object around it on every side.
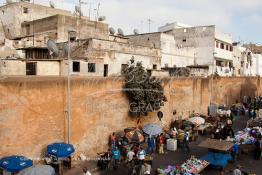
(218, 160)
(15, 164)
(60, 150)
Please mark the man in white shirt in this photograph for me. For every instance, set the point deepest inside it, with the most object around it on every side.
(130, 155)
(86, 172)
(237, 171)
(141, 155)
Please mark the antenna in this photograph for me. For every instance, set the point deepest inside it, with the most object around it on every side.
(98, 8)
(90, 7)
(51, 3)
(52, 47)
(149, 24)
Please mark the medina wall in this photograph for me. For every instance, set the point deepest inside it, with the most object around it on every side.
(33, 110)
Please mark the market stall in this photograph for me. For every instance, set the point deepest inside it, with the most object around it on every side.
(247, 137)
(218, 154)
(192, 166)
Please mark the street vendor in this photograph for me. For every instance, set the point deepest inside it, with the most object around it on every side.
(257, 151)
(174, 132)
(150, 145)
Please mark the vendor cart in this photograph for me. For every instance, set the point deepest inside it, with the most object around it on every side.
(218, 154)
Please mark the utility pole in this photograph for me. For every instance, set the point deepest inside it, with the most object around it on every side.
(90, 7)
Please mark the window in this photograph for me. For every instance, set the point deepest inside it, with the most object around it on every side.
(91, 67)
(105, 70)
(184, 40)
(231, 48)
(227, 47)
(72, 38)
(25, 10)
(242, 63)
(123, 67)
(76, 66)
(217, 44)
(31, 68)
(154, 66)
(3, 11)
(27, 28)
(222, 46)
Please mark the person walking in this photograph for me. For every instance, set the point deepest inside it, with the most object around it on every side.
(147, 169)
(186, 142)
(235, 150)
(113, 140)
(237, 171)
(116, 157)
(161, 144)
(150, 145)
(141, 155)
(86, 172)
(130, 156)
(257, 151)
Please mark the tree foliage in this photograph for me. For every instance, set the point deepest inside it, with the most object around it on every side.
(144, 92)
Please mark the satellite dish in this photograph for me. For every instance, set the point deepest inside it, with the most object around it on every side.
(136, 32)
(77, 9)
(120, 32)
(112, 31)
(52, 47)
(51, 3)
(101, 18)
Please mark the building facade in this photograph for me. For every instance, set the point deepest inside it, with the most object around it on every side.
(94, 51)
(212, 47)
(173, 56)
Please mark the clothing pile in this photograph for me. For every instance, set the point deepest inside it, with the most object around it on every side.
(257, 122)
(192, 166)
(248, 135)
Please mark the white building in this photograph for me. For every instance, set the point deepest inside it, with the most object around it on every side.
(173, 55)
(212, 47)
(257, 65)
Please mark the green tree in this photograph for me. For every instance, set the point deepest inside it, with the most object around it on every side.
(144, 92)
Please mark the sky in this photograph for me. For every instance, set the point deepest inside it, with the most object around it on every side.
(241, 18)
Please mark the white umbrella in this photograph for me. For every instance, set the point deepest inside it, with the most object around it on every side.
(38, 170)
(197, 120)
(152, 129)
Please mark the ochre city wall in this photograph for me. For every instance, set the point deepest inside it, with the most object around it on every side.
(33, 111)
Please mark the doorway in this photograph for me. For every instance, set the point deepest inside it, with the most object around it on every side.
(105, 70)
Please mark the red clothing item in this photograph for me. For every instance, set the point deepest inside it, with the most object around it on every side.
(161, 140)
